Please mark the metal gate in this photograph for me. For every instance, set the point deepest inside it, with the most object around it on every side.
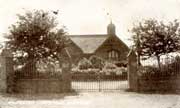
(99, 82)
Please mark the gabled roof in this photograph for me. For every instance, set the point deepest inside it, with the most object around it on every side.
(88, 43)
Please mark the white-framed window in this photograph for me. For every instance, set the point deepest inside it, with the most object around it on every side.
(113, 54)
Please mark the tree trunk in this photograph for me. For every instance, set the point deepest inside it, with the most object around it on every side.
(138, 60)
(159, 63)
(138, 50)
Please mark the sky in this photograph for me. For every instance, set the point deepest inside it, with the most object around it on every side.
(90, 16)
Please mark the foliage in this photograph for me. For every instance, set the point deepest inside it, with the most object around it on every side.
(173, 67)
(110, 65)
(35, 36)
(156, 38)
(97, 62)
(168, 70)
(84, 64)
(148, 71)
(95, 65)
(48, 66)
(94, 62)
(111, 68)
(121, 64)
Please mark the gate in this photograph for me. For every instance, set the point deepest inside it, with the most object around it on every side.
(124, 78)
(99, 82)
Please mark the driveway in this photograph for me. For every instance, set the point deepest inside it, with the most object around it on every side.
(92, 100)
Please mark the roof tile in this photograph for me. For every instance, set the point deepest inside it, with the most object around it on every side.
(88, 43)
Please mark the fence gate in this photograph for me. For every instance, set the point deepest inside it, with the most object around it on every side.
(99, 82)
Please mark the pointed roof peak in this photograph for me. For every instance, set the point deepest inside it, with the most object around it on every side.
(111, 28)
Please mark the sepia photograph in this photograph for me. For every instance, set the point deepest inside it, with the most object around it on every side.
(89, 53)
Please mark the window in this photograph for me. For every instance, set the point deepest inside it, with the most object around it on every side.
(113, 54)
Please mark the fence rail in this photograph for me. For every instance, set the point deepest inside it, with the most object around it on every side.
(163, 78)
(96, 77)
(99, 82)
(37, 75)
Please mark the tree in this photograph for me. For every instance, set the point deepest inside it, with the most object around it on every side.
(35, 37)
(156, 38)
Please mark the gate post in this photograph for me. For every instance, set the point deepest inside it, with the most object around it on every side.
(66, 72)
(7, 72)
(66, 77)
(132, 71)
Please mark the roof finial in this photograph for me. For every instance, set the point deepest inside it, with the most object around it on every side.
(111, 21)
(111, 29)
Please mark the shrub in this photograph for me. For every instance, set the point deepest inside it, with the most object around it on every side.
(121, 64)
(112, 69)
(148, 72)
(168, 70)
(173, 68)
(110, 66)
(97, 62)
(84, 64)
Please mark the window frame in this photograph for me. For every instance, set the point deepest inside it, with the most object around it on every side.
(113, 54)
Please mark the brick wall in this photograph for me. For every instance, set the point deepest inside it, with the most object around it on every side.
(169, 85)
(32, 86)
(44, 85)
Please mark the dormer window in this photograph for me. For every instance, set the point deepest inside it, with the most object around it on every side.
(113, 54)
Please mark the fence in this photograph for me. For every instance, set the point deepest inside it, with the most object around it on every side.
(97, 76)
(163, 78)
(147, 77)
(99, 81)
(160, 84)
(29, 81)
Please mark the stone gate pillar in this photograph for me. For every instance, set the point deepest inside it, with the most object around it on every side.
(132, 71)
(6, 71)
(66, 72)
(66, 77)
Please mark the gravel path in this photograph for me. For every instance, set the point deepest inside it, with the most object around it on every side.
(93, 100)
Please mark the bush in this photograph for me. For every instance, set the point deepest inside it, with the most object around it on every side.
(168, 70)
(112, 69)
(97, 62)
(121, 64)
(148, 72)
(84, 64)
(110, 66)
(172, 68)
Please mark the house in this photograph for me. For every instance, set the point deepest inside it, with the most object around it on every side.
(107, 46)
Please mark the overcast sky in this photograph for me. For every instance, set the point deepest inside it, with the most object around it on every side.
(89, 16)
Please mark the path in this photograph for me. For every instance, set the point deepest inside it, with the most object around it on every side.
(96, 100)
